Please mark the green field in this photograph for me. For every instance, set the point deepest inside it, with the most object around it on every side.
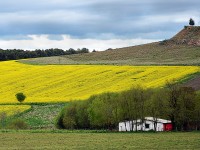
(42, 116)
(26, 140)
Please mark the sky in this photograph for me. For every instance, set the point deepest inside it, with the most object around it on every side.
(94, 24)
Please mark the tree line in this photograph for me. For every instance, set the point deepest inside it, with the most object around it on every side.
(14, 54)
(179, 104)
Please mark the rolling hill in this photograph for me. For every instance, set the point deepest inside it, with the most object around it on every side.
(182, 49)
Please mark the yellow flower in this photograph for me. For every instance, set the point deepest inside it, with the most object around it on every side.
(13, 109)
(58, 83)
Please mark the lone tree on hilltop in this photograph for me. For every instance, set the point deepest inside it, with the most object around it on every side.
(191, 22)
(20, 97)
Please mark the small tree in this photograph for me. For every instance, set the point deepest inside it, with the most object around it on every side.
(191, 22)
(20, 97)
(156, 105)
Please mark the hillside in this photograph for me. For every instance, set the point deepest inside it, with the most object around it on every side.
(190, 35)
(182, 49)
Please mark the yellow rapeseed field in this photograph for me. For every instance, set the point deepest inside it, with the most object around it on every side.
(57, 83)
(13, 109)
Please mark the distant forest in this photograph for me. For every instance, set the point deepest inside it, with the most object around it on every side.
(14, 54)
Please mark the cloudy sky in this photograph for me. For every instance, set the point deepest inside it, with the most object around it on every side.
(94, 24)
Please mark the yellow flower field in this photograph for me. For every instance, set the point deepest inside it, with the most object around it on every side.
(57, 83)
(13, 109)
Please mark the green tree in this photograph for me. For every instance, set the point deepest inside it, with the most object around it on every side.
(20, 97)
(191, 22)
(59, 120)
(186, 108)
(74, 116)
(126, 107)
(102, 111)
(69, 117)
(156, 105)
(181, 105)
(82, 118)
(173, 94)
(3, 117)
(133, 106)
(197, 112)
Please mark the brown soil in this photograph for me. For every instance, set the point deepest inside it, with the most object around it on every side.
(194, 83)
(190, 35)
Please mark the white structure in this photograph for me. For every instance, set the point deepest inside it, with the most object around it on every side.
(146, 126)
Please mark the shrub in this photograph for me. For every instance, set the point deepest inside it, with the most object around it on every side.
(59, 120)
(191, 22)
(3, 117)
(67, 118)
(20, 97)
(164, 42)
(73, 116)
(18, 124)
(69, 122)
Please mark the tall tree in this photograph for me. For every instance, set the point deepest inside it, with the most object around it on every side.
(69, 117)
(156, 105)
(133, 106)
(181, 105)
(173, 97)
(82, 118)
(197, 112)
(186, 107)
(102, 112)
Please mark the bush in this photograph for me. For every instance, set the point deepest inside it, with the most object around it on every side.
(66, 118)
(3, 117)
(59, 120)
(99, 111)
(191, 22)
(164, 42)
(73, 116)
(20, 97)
(18, 124)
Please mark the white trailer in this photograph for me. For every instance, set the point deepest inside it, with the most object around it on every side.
(148, 124)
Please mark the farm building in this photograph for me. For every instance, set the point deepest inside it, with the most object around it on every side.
(148, 124)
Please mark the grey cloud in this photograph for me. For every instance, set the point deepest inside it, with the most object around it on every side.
(55, 37)
(16, 37)
(95, 19)
(175, 6)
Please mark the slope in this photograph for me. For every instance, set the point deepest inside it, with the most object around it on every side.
(182, 49)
